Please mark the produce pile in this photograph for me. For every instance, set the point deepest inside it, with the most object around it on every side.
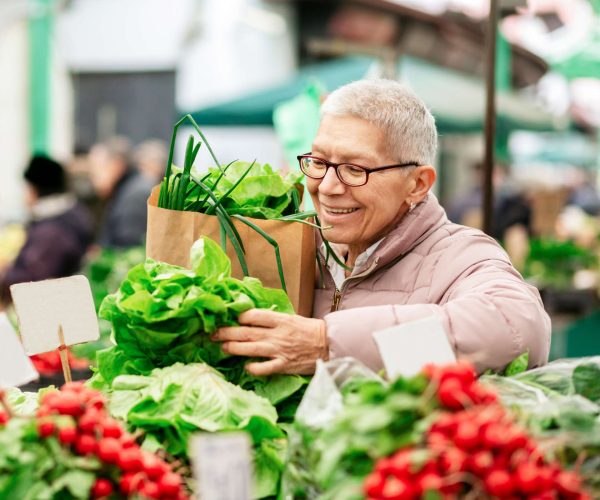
(166, 377)
(440, 434)
(560, 405)
(72, 449)
(553, 263)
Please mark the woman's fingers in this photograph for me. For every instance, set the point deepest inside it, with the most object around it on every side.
(261, 317)
(249, 349)
(259, 369)
(238, 334)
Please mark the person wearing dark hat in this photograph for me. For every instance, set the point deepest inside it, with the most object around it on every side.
(59, 232)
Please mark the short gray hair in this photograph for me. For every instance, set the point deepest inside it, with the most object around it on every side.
(403, 117)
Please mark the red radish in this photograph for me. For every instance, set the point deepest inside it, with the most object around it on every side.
(451, 395)
(68, 404)
(461, 371)
(494, 436)
(89, 421)
(67, 435)
(111, 429)
(46, 428)
(568, 483)
(75, 387)
(428, 481)
(527, 478)
(373, 485)
(398, 489)
(400, 463)
(453, 460)
(481, 462)
(49, 398)
(85, 444)
(499, 483)
(102, 488)
(467, 435)
(154, 467)
(130, 460)
(150, 490)
(129, 482)
(109, 450)
(169, 484)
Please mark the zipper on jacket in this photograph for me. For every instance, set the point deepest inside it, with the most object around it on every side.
(337, 295)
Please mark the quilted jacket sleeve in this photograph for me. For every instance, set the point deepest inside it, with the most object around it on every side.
(489, 313)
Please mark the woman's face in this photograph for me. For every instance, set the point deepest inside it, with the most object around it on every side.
(361, 215)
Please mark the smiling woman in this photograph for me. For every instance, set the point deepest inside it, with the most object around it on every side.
(369, 174)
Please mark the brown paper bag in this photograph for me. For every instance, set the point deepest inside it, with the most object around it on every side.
(171, 234)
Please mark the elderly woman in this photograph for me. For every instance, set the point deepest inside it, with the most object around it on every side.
(369, 174)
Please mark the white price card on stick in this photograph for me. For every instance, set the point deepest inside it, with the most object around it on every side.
(47, 308)
(16, 368)
(222, 466)
(405, 349)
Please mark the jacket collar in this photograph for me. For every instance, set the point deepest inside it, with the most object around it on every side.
(411, 230)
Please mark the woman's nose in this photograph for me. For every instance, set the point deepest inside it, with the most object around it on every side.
(330, 184)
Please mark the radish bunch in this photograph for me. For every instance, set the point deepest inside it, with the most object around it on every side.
(76, 416)
(473, 447)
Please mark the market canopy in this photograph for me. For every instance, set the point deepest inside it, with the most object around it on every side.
(457, 100)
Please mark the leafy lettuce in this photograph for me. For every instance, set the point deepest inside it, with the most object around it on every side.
(172, 403)
(163, 314)
(262, 193)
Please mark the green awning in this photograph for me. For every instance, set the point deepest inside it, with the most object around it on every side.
(457, 100)
(257, 108)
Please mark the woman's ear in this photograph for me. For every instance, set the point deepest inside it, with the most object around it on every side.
(424, 177)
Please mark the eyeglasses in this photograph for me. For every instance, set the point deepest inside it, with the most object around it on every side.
(348, 173)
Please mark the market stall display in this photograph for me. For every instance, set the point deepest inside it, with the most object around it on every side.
(440, 434)
(71, 448)
(166, 377)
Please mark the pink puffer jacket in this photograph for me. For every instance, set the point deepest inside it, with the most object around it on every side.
(429, 266)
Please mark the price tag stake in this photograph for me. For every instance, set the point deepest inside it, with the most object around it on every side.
(63, 351)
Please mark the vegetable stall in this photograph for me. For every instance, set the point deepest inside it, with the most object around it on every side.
(345, 433)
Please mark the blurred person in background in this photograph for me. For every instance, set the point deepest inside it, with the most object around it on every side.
(584, 193)
(511, 207)
(124, 190)
(150, 158)
(59, 232)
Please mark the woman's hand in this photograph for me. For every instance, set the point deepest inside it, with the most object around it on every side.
(291, 343)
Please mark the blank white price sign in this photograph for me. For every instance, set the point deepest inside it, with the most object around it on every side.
(405, 349)
(222, 466)
(45, 307)
(15, 366)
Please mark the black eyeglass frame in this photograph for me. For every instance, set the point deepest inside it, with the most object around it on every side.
(335, 166)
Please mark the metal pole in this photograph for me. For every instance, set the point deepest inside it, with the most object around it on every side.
(490, 118)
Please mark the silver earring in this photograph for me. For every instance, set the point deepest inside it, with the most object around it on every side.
(412, 206)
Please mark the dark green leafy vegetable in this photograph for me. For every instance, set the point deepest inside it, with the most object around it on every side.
(32, 469)
(553, 263)
(331, 460)
(236, 190)
(163, 314)
(560, 405)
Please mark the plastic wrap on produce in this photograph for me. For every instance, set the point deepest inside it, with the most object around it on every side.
(322, 401)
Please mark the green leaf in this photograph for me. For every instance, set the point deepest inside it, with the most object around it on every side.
(517, 365)
(586, 380)
(209, 260)
(77, 482)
